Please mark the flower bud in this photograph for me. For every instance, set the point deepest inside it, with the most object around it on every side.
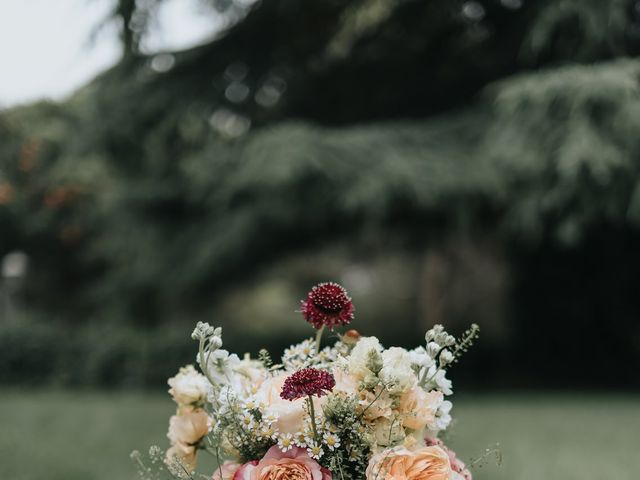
(446, 357)
(374, 361)
(215, 343)
(432, 349)
(351, 337)
(441, 338)
(370, 381)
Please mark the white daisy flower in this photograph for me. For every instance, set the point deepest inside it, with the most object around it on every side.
(247, 421)
(331, 440)
(267, 431)
(300, 439)
(270, 418)
(250, 404)
(315, 451)
(285, 442)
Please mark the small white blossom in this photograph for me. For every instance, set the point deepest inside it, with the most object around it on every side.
(315, 451)
(443, 417)
(270, 418)
(432, 349)
(247, 421)
(204, 330)
(285, 442)
(300, 439)
(215, 342)
(331, 440)
(267, 431)
(438, 379)
(433, 332)
(446, 357)
(420, 357)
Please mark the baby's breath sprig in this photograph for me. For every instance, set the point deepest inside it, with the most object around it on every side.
(343, 422)
(494, 452)
(265, 358)
(465, 342)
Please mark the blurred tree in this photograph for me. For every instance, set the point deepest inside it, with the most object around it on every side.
(173, 175)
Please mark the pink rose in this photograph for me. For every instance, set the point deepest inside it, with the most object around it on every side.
(276, 465)
(461, 472)
(226, 471)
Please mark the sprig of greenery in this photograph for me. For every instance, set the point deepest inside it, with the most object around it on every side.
(465, 342)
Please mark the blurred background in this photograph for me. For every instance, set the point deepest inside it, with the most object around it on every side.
(447, 161)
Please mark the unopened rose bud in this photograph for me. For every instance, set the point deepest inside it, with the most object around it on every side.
(351, 337)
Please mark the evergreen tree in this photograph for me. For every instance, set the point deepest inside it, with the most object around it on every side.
(170, 176)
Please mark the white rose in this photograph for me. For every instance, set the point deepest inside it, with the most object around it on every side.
(188, 386)
(396, 373)
(290, 414)
(360, 356)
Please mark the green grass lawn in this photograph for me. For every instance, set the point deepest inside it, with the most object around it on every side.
(71, 436)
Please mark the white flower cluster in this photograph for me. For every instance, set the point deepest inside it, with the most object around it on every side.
(304, 355)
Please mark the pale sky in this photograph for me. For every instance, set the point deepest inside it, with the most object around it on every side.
(45, 49)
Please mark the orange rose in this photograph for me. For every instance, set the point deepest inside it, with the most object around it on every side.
(427, 463)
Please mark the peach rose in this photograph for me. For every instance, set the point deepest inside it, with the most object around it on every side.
(185, 430)
(226, 471)
(426, 463)
(460, 471)
(296, 464)
(185, 453)
(188, 427)
(376, 404)
(418, 407)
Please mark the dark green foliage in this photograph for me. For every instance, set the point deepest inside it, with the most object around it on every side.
(551, 154)
(110, 356)
(149, 193)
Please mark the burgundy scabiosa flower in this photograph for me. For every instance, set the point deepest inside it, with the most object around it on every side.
(307, 382)
(327, 304)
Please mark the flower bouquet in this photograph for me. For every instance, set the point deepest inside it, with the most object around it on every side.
(349, 411)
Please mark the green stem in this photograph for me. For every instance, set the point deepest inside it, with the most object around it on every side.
(312, 413)
(204, 363)
(319, 339)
